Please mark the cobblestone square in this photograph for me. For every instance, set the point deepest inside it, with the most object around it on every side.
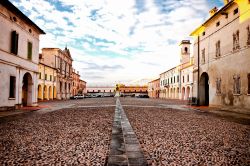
(79, 132)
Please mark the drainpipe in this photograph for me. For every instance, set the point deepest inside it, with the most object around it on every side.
(198, 79)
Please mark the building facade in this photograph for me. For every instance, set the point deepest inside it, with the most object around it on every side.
(154, 88)
(222, 56)
(19, 52)
(82, 87)
(61, 60)
(46, 81)
(75, 83)
(101, 90)
(177, 82)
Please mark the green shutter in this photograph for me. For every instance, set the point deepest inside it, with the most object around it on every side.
(29, 50)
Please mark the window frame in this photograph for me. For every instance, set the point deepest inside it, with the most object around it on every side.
(11, 87)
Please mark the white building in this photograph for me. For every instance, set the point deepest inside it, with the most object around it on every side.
(19, 52)
(222, 56)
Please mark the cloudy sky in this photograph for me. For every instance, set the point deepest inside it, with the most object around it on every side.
(115, 41)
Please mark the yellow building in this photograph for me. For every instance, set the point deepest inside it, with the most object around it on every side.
(46, 82)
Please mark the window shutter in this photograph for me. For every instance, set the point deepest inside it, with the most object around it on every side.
(13, 42)
(29, 50)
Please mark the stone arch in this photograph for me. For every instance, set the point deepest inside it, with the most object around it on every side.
(54, 92)
(204, 89)
(188, 92)
(45, 92)
(40, 92)
(50, 92)
(183, 93)
(27, 88)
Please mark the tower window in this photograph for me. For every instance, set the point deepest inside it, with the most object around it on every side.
(29, 50)
(186, 50)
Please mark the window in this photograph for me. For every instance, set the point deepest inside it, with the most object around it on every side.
(177, 78)
(45, 77)
(217, 51)
(218, 23)
(14, 42)
(236, 11)
(12, 87)
(40, 75)
(54, 78)
(218, 85)
(50, 78)
(183, 79)
(203, 56)
(237, 85)
(186, 50)
(236, 38)
(187, 78)
(174, 79)
(248, 78)
(29, 50)
(203, 33)
(248, 35)
(171, 80)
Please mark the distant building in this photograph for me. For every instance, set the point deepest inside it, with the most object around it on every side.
(101, 90)
(61, 60)
(19, 51)
(154, 88)
(75, 83)
(46, 81)
(82, 87)
(222, 56)
(130, 90)
(177, 82)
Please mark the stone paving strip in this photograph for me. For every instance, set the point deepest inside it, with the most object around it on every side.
(125, 149)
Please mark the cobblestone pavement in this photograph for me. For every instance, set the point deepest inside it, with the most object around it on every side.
(71, 136)
(174, 137)
(79, 133)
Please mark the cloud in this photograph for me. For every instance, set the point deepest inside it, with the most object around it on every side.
(117, 40)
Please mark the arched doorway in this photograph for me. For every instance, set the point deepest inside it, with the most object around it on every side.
(40, 92)
(177, 92)
(54, 92)
(50, 93)
(204, 90)
(45, 92)
(183, 93)
(27, 90)
(188, 92)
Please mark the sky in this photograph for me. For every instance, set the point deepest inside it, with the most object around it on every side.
(118, 41)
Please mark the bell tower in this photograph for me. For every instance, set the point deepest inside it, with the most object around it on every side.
(185, 51)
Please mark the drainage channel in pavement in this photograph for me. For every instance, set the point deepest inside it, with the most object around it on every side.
(125, 149)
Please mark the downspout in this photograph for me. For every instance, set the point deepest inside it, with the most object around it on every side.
(198, 78)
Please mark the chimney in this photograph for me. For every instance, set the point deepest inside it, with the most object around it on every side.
(213, 11)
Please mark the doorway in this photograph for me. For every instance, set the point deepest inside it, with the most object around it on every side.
(27, 90)
(204, 90)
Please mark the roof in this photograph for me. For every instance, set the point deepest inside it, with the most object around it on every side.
(202, 26)
(16, 11)
(155, 80)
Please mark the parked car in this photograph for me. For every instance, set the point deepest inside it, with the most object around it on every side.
(142, 96)
(77, 97)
